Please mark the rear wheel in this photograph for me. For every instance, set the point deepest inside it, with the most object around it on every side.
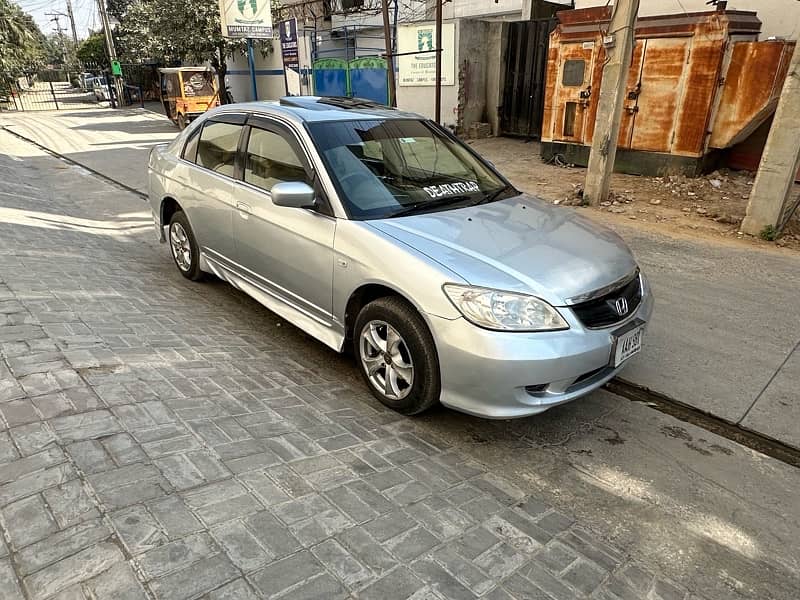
(183, 245)
(397, 356)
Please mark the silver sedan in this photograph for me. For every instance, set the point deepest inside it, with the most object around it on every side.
(379, 230)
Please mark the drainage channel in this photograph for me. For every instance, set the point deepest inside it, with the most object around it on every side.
(683, 412)
(625, 389)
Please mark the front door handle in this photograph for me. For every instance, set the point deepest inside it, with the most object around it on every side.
(244, 209)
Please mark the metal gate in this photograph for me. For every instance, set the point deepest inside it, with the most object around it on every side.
(525, 77)
(22, 95)
(348, 62)
(330, 77)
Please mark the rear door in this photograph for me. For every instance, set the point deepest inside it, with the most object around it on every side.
(209, 195)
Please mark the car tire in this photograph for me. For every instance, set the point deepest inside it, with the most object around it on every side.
(181, 122)
(412, 357)
(183, 247)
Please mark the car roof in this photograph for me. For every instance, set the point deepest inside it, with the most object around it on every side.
(312, 109)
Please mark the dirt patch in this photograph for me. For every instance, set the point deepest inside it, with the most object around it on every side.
(711, 206)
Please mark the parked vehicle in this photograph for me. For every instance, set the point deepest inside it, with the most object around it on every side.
(186, 93)
(85, 81)
(100, 89)
(379, 230)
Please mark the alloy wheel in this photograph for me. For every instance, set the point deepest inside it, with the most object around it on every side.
(386, 359)
(181, 248)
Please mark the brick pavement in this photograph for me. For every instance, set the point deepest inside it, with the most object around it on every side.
(160, 439)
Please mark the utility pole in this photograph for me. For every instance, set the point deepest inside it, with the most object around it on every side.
(767, 210)
(71, 17)
(112, 53)
(438, 93)
(618, 42)
(56, 18)
(387, 40)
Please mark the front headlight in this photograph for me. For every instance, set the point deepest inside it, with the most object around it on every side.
(504, 311)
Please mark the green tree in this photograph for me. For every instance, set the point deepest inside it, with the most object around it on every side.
(92, 51)
(21, 42)
(117, 8)
(179, 31)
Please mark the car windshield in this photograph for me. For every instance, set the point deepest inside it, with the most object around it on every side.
(393, 167)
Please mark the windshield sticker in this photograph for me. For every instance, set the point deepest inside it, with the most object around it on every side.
(452, 189)
(407, 140)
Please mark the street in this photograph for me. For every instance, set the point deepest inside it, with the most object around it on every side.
(165, 439)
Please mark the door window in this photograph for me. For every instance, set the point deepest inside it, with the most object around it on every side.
(190, 150)
(217, 147)
(271, 159)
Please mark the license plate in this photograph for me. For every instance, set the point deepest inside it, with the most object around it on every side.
(628, 344)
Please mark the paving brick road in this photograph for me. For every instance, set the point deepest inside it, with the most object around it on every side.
(163, 439)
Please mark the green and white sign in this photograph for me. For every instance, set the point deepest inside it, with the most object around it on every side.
(419, 68)
(246, 18)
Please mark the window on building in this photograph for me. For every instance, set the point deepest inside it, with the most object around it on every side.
(570, 110)
(574, 71)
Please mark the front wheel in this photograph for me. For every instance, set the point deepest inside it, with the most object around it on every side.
(397, 356)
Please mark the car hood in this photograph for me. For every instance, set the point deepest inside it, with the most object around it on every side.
(519, 244)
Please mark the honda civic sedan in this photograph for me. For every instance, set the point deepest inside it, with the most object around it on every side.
(378, 230)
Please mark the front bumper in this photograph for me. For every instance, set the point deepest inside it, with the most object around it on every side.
(486, 373)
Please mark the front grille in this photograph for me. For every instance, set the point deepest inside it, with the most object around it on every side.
(601, 312)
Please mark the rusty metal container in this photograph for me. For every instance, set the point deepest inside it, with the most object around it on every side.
(698, 83)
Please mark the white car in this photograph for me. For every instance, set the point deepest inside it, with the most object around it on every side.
(100, 88)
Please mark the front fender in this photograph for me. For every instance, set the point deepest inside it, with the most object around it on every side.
(365, 256)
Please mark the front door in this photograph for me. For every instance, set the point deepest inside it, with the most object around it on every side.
(285, 252)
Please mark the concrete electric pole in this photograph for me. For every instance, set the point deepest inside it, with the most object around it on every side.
(112, 53)
(618, 42)
(771, 193)
(71, 16)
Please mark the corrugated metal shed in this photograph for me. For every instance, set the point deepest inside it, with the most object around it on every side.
(697, 82)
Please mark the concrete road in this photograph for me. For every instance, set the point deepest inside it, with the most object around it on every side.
(725, 334)
(160, 438)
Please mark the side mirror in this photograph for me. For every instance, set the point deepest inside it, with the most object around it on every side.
(293, 194)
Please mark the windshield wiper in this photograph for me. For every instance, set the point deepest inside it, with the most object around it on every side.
(428, 204)
(491, 197)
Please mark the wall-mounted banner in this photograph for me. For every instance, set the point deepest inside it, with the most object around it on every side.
(420, 69)
(246, 18)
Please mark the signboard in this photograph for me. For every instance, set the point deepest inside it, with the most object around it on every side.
(289, 51)
(419, 68)
(291, 56)
(246, 18)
